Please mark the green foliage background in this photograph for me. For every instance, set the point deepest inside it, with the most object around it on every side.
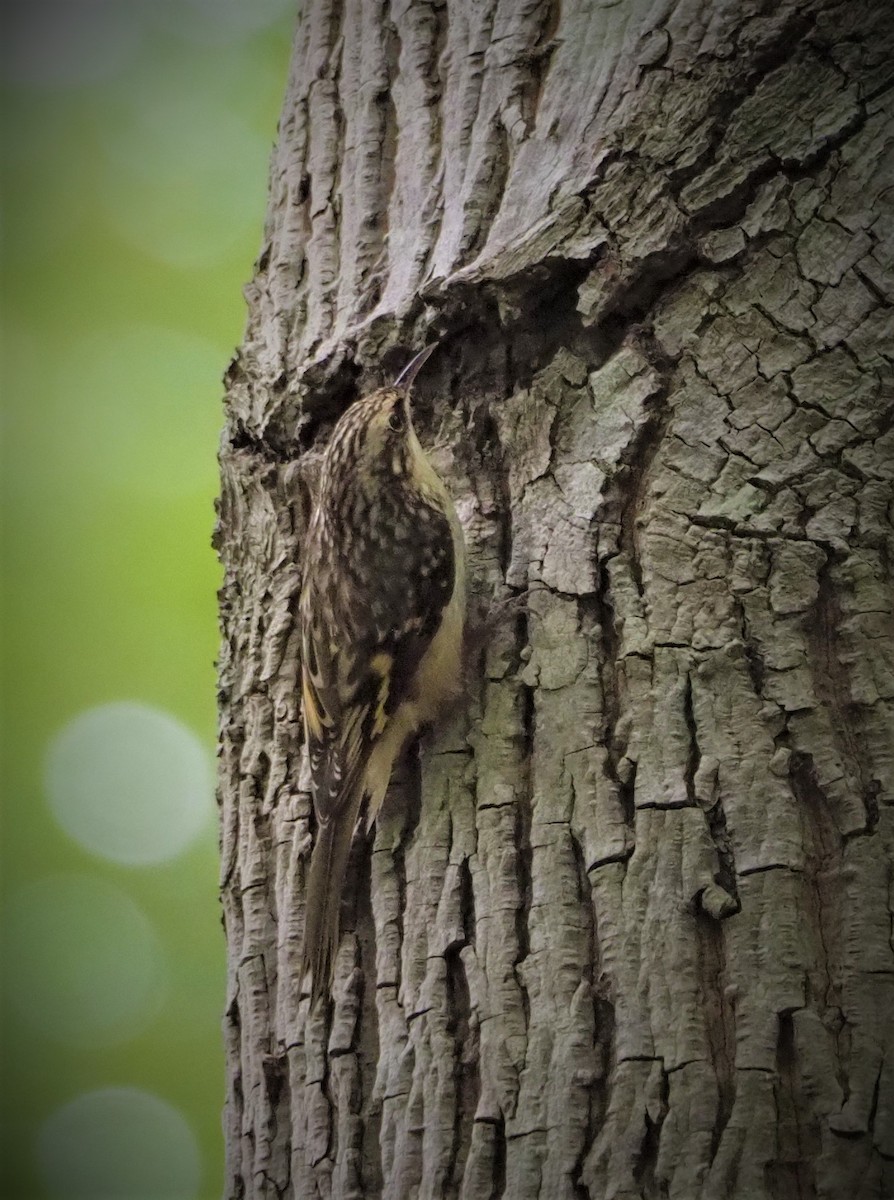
(136, 144)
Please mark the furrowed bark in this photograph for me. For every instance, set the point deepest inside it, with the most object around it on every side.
(626, 929)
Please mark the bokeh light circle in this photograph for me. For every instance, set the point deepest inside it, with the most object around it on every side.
(83, 963)
(129, 783)
(116, 1143)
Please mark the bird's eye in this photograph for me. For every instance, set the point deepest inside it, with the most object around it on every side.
(397, 420)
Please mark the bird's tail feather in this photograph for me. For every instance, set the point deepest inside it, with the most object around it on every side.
(325, 885)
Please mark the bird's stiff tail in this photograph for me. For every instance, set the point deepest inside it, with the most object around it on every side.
(325, 884)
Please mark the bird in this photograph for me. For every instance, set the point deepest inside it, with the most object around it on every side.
(382, 612)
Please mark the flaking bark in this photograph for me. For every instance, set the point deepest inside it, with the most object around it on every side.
(626, 928)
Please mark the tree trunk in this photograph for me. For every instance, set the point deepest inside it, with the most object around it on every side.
(625, 930)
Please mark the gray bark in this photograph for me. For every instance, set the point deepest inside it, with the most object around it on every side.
(626, 929)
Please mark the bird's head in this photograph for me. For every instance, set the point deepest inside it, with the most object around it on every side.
(376, 433)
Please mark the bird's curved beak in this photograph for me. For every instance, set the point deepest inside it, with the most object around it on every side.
(414, 366)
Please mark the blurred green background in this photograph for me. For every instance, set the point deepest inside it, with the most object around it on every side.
(136, 139)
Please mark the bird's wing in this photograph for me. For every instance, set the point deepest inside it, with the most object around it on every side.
(355, 677)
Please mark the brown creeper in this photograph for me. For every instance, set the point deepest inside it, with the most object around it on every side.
(382, 613)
